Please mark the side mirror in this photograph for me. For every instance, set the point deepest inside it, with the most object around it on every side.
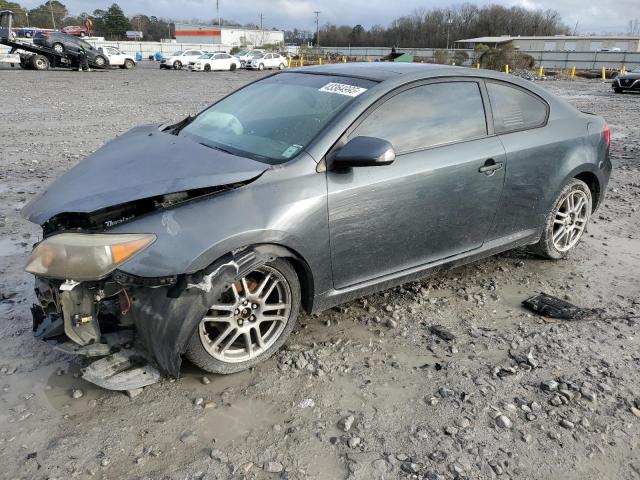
(365, 152)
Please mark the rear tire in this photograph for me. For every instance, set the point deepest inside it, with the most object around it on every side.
(177, 65)
(58, 47)
(282, 288)
(207, 68)
(261, 66)
(39, 62)
(567, 221)
(128, 64)
(617, 90)
(232, 67)
(281, 66)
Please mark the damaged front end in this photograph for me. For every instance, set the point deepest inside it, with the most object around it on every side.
(136, 328)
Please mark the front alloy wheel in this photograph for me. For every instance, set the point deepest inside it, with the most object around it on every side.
(249, 322)
(567, 221)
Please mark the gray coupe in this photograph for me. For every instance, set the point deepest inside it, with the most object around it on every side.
(304, 189)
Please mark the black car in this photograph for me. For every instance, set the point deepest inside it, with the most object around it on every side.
(68, 44)
(627, 81)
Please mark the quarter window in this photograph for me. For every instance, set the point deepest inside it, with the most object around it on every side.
(428, 115)
(514, 109)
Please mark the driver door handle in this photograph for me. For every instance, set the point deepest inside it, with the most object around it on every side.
(490, 167)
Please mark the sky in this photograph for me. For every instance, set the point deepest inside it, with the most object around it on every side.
(592, 16)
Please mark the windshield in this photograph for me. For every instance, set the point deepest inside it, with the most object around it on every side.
(177, 54)
(256, 54)
(243, 52)
(636, 70)
(205, 56)
(274, 119)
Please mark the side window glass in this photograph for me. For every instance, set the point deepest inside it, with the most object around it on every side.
(514, 109)
(427, 116)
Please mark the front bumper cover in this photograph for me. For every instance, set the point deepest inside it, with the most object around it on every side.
(83, 319)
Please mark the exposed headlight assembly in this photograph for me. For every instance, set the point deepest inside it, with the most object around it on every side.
(82, 257)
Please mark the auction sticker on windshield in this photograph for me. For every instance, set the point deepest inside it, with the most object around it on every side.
(343, 89)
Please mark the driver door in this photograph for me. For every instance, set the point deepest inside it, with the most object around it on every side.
(436, 200)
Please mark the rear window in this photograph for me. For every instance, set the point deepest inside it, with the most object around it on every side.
(515, 109)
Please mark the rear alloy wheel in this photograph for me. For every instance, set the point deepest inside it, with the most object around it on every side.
(100, 61)
(281, 66)
(207, 68)
(250, 321)
(567, 221)
(261, 66)
(128, 64)
(177, 65)
(58, 47)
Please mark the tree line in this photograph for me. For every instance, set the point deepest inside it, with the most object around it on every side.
(433, 27)
(111, 23)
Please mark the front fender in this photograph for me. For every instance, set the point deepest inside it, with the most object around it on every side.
(286, 206)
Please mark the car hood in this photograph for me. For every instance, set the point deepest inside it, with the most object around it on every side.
(142, 163)
(629, 76)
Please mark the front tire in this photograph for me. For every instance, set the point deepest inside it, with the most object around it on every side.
(128, 64)
(177, 65)
(100, 61)
(261, 66)
(567, 221)
(281, 66)
(250, 322)
(617, 90)
(207, 68)
(39, 62)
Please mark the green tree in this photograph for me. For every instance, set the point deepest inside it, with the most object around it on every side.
(20, 13)
(48, 15)
(115, 22)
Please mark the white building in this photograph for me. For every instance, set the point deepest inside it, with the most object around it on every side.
(227, 36)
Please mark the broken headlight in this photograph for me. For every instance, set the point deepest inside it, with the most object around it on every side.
(81, 257)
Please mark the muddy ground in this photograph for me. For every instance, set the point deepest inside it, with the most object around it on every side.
(364, 391)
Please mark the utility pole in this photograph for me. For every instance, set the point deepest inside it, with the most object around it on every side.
(317, 12)
(261, 30)
(218, 10)
(53, 20)
(449, 22)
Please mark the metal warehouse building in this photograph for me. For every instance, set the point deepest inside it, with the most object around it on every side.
(564, 43)
(229, 36)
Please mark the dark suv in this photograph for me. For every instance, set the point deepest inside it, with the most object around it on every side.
(68, 44)
(627, 81)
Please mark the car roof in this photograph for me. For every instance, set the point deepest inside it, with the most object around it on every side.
(393, 74)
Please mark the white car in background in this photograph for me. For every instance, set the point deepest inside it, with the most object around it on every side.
(181, 59)
(245, 55)
(267, 60)
(214, 61)
(118, 58)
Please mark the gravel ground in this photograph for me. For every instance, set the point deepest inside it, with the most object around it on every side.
(363, 391)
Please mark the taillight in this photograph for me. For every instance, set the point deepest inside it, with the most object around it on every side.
(607, 134)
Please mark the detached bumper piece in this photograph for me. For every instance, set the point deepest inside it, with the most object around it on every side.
(70, 315)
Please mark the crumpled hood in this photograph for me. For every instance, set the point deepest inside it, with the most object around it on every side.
(142, 163)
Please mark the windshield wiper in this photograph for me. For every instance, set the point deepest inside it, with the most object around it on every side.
(175, 128)
(220, 149)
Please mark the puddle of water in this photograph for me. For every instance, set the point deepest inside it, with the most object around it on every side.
(59, 387)
(235, 421)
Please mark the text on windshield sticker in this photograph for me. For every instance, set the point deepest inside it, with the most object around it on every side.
(343, 89)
